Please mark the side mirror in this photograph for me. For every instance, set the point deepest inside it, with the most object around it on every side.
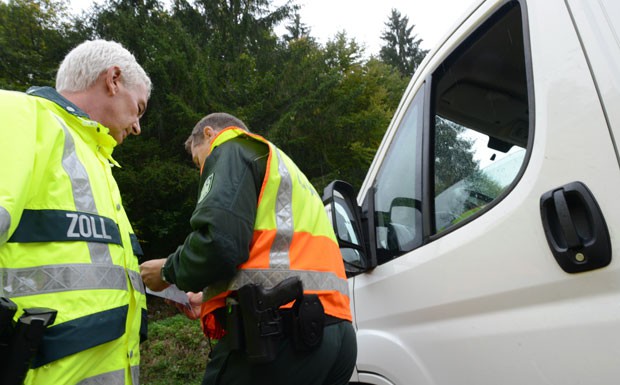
(345, 214)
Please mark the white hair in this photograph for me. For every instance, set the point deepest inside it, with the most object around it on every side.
(83, 65)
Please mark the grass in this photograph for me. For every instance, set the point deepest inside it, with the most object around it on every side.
(176, 351)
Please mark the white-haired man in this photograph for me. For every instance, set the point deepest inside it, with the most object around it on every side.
(65, 240)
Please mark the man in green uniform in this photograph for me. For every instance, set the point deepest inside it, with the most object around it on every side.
(258, 223)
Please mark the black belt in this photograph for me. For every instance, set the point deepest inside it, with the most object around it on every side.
(287, 319)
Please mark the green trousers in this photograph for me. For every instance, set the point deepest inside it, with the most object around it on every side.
(330, 364)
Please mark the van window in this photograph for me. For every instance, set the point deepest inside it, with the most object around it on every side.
(397, 200)
(480, 124)
(470, 149)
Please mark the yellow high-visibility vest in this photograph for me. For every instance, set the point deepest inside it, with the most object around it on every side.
(292, 237)
(66, 242)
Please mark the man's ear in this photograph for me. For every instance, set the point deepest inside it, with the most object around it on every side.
(112, 79)
(208, 132)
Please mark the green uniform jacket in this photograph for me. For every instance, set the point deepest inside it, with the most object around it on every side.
(230, 183)
(66, 242)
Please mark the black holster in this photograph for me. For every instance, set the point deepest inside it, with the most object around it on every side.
(24, 338)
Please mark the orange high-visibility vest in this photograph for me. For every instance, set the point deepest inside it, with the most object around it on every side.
(293, 236)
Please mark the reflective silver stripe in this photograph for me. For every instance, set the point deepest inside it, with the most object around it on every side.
(135, 375)
(279, 253)
(268, 278)
(136, 281)
(82, 192)
(52, 279)
(111, 378)
(5, 224)
(99, 252)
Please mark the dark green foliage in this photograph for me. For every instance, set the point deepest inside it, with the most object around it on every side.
(162, 195)
(336, 109)
(296, 29)
(402, 50)
(34, 37)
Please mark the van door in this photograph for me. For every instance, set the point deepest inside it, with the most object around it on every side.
(469, 287)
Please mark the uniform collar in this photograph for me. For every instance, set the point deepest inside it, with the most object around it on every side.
(53, 95)
(97, 132)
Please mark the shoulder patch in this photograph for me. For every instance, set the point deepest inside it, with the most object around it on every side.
(206, 187)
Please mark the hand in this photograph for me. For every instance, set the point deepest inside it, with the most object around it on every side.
(195, 302)
(150, 271)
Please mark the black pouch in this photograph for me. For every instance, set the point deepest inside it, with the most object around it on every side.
(234, 325)
(308, 323)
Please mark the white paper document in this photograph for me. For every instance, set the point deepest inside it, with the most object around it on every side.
(172, 293)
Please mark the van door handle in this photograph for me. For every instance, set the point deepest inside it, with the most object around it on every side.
(575, 228)
(565, 221)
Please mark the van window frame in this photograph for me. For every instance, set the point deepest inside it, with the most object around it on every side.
(430, 232)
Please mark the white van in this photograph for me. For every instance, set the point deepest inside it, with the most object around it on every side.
(482, 247)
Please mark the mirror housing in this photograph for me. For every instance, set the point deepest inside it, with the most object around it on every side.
(345, 215)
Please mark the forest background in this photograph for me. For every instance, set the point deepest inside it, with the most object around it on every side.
(326, 105)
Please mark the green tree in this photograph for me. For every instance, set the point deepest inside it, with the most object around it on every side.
(296, 29)
(243, 56)
(401, 49)
(337, 108)
(34, 37)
